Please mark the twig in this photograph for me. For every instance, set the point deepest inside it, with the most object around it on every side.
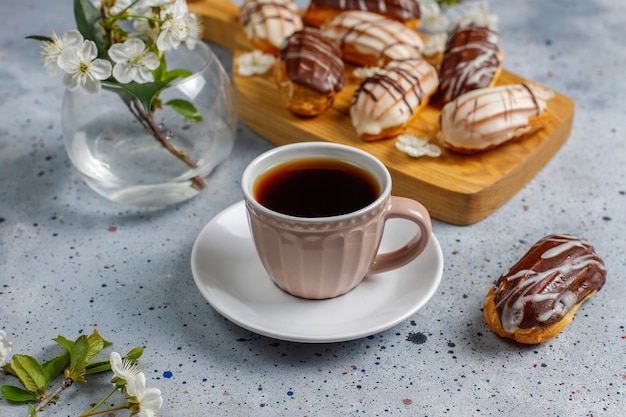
(67, 382)
(148, 122)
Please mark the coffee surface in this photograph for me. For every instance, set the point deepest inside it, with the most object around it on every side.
(316, 187)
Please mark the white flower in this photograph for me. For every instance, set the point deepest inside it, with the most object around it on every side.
(255, 62)
(82, 69)
(5, 347)
(435, 44)
(194, 30)
(174, 30)
(148, 400)
(53, 50)
(432, 19)
(133, 62)
(122, 368)
(119, 6)
(416, 146)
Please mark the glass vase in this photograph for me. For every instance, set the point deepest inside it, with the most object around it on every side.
(162, 160)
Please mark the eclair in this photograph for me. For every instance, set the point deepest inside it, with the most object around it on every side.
(485, 118)
(540, 294)
(472, 59)
(384, 103)
(405, 11)
(268, 22)
(310, 72)
(371, 40)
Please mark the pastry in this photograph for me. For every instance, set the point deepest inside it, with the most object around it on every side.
(384, 103)
(369, 39)
(268, 22)
(540, 294)
(310, 72)
(472, 59)
(488, 117)
(404, 11)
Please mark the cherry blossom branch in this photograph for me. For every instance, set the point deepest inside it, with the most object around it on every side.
(147, 121)
(67, 382)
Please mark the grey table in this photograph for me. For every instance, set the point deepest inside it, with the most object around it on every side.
(72, 262)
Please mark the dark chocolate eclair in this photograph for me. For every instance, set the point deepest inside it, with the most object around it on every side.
(395, 9)
(471, 60)
(314, 61)
(557, 273)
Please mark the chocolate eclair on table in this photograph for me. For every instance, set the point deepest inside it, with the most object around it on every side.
(472, 59)
(385, 103)
(268, 22)
(310, 72)
(369, 39)
(405, 11)
(540, 294)
(485, 118)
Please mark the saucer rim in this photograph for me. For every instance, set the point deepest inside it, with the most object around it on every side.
(203, 286)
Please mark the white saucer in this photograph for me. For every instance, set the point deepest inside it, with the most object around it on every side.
(229, 274)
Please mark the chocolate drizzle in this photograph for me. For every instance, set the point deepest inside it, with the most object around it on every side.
(373, 35)
(471, 59)
(557, 273)
(313, 60)
(395, 9)
(390, 97)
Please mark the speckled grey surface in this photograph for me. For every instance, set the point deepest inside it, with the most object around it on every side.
(72, 262)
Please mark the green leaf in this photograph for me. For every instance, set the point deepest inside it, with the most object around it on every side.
(97, 367)
(17, 395)
(78, 356)
(135, 353)
(56, 366)
(67, 344)
(95, 345)
(87, 22)
(41, 38)
(30, 372)
(177, 73)
(145, 93)
(185, 108)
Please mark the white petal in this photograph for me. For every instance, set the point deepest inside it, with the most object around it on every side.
(5, 347)
(150, 61)
(100, 69)
(118, 52)
(70, 81)
(143, 75)
(72, 38)
(123, 73)
(91, 85)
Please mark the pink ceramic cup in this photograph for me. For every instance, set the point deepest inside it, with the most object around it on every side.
(324, 257)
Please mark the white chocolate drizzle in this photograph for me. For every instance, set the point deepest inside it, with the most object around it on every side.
(549, 290)
(271, 20)
(487, 117)
(371, 34)
(390, 97)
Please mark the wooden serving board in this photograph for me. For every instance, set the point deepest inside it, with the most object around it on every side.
(457, 189)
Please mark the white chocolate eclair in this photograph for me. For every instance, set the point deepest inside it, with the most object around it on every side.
(268, 22)
(485, 118)
(369, 39)
(385, 102)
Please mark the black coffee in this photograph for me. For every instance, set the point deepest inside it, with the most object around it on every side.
(316, 187)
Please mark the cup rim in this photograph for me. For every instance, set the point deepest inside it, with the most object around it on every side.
(247, 182)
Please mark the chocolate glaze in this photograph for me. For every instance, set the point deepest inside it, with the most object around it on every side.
(395, 9)
(471, 58)
(393, 86)
(251, 8)
(556, 273)
(313, 60)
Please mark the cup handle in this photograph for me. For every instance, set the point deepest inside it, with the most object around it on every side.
(404, 208)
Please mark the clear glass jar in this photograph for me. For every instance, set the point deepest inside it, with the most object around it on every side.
(119, 157)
